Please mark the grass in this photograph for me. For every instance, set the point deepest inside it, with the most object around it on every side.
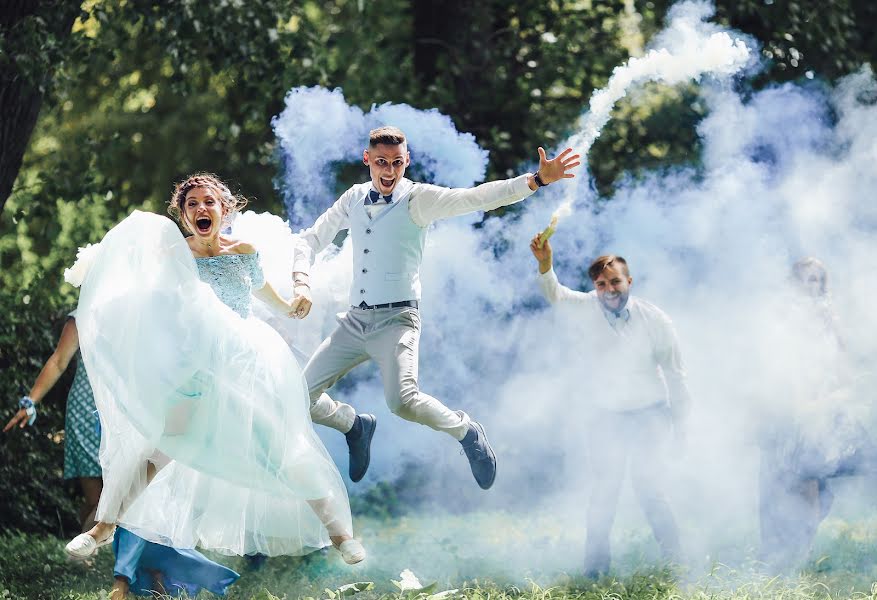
(507, 560)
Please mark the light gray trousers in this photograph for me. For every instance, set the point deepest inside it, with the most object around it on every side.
(390, 337)
(637, 440)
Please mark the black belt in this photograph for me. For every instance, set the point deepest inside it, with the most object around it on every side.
(403, 304)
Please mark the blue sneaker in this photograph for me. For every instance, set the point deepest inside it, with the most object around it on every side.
(482, 460)
(359, 441)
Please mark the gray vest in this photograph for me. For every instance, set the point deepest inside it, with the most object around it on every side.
(387, 252)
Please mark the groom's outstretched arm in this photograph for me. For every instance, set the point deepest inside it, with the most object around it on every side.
(431, 202)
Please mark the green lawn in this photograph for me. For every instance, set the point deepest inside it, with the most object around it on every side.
(506, 559)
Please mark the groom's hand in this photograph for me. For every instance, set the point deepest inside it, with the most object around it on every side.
(559, 167)
(301, 302)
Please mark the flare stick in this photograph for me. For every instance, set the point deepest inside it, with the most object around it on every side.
(549, 231)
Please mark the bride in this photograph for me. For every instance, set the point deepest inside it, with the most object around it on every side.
(207, 439)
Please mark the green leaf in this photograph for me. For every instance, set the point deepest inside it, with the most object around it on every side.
(354, 588)
(442, 595)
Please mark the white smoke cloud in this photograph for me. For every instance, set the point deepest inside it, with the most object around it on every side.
(318, 130)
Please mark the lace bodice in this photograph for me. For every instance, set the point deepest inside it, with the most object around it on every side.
(233, 277)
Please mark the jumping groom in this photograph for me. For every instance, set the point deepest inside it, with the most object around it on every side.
(388, 218)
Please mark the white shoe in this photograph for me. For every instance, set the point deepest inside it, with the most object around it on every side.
(84, 546)
(352, 551)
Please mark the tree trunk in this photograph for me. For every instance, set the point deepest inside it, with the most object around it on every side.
(21, 93)
(433, 36)
(453, 47)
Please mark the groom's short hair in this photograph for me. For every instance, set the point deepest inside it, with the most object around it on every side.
(392, 136)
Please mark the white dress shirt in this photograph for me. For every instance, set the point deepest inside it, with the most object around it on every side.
(636, 360)
(428, 203)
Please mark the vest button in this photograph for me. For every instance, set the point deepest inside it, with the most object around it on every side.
(368, 230)
(361, 291)
(365, 270)
(365, 251)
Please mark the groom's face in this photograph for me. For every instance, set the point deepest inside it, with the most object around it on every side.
(386, 164)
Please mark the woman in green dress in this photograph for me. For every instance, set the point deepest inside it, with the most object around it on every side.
(81, 436)
(141, 567)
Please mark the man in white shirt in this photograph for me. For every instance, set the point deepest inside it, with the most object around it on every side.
(387, 219)
(639, 394)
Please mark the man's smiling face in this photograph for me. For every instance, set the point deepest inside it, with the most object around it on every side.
(386, 164)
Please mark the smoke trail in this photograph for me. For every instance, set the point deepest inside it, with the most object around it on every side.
(318, 131)
(687, 50)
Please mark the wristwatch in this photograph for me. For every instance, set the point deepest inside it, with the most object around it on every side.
(538, 180)
(27, 404)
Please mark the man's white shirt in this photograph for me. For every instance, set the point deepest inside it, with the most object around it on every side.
(427, 204)
(636, 361)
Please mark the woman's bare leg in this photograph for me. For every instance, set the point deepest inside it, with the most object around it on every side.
(91, 488)
(101, 530)
(120, 589)
(338, 532)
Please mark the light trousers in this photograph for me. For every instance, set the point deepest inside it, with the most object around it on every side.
(637, 441)
(390, 337)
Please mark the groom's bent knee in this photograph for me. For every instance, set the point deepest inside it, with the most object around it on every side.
(404, 403)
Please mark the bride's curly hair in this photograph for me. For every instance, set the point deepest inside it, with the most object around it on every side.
(232, 203)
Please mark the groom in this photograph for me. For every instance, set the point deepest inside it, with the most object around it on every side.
(388, 218)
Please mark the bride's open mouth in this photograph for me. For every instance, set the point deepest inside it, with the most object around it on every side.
(203, 224)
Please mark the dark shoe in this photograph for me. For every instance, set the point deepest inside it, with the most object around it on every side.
(482, 460)
(359, 445)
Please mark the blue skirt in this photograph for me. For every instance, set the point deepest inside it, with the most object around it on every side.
(181, 570)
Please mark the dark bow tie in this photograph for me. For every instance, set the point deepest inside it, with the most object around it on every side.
(624, 315)
(374, 197)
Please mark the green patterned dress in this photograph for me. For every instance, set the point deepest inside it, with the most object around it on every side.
(81, 436)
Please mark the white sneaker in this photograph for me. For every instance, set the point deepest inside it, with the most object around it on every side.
(352, 551)
(84, 546)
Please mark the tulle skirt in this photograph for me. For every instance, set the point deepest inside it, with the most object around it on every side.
(215, 400)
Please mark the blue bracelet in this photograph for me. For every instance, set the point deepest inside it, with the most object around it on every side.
(27, 404)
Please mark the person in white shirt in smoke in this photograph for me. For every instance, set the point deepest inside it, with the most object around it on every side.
(817, 430)
(388, 219)
(635, 369)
